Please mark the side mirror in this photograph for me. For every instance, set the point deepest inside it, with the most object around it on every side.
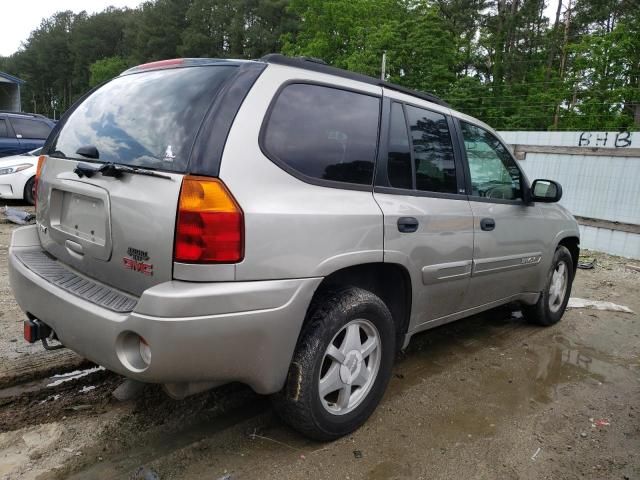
(546, 191)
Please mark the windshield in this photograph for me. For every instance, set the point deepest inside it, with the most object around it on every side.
(148, 119)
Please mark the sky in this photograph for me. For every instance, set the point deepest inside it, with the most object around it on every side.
(19, 17)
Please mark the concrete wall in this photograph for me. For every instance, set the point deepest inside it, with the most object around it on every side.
(600, 180)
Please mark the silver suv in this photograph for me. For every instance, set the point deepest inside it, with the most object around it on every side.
(279, 223)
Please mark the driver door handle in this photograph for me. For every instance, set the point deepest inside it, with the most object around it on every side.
(487, 224)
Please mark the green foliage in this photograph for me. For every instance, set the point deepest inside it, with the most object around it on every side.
(106, 69)
(502, 61)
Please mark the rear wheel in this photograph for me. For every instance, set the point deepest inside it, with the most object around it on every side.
(554, 298)
(28, 191)
(341, 365)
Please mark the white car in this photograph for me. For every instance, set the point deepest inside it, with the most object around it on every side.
(17, 174)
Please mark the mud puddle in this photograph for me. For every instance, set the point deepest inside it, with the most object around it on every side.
(56, 397)
(159, 426)
(53, 381)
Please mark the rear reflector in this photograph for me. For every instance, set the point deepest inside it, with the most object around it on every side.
(36, 181)
(210, 226)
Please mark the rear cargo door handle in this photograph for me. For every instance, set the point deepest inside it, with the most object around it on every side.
(408, 224)
(487, 224)
(74, 248)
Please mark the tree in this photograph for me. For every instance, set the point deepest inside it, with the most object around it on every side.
(106, 69)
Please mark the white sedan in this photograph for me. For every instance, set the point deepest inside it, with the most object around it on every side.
(17, 174)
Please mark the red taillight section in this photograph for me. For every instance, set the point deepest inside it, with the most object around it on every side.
(210, 226)
(36, 181)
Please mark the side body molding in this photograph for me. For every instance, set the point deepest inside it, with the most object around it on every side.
(509, 262)
(443, 272)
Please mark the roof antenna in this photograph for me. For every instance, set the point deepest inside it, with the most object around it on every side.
(383, 74)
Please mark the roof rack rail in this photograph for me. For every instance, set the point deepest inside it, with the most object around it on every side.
(26, 114)
(320, 66)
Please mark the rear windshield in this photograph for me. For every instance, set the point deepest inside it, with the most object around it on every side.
(146, 119)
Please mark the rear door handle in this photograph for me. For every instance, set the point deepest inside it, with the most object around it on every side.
(487, 224)
(407, 224)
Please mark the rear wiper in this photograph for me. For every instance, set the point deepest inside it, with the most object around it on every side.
(114, 170)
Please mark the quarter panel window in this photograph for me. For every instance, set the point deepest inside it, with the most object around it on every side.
(324, 132)
(30, 128)
(399, 156)
(432, 150)
(494, 173)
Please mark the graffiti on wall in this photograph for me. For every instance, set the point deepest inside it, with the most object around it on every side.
(605, 139)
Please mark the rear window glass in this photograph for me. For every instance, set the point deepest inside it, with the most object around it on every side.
(147, 119)
(324, 133)
(31, 128)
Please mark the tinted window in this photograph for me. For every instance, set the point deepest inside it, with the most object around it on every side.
(494, 173)
(432, 151)
(3, 128)
(399, 157)
(148, 119)
(324, 132)
(30, 128)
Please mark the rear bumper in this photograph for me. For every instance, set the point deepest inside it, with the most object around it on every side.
(198, 332)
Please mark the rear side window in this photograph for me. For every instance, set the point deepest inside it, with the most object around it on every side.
(31, 128)
(324, 133)
(399, 156)
(432, 151)
(3, 128)
(147, 119)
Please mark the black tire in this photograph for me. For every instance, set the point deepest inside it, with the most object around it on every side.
(541, 313)
(299, 403)
(28, 191)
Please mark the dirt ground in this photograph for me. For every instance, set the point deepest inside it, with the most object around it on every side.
(488, 397)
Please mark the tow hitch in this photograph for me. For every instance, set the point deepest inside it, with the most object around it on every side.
(35, 330)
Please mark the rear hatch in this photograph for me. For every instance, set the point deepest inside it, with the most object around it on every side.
(117, 225)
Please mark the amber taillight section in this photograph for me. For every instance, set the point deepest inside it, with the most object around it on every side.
(210, 225)
(36, 181)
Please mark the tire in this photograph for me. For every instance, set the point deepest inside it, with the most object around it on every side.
(333, 320)
(550, 307)
(28, 191)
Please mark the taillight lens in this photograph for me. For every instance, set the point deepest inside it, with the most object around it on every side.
(36, 181)
(210, 226)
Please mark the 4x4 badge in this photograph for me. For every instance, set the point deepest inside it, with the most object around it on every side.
(136, 261)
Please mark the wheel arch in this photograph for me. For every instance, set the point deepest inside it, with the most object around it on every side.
(572, 243)
(389, 281)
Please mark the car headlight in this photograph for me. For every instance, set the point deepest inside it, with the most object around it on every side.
(14, 168)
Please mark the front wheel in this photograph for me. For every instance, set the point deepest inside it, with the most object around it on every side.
(554, 298)
(29, 194)
(341, 365)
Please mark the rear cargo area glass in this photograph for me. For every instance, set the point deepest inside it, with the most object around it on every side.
(147, 119)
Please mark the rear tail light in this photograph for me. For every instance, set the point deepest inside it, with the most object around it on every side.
(210, 226)
(36, 181)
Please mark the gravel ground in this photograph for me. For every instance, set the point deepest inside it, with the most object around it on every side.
(483, 398)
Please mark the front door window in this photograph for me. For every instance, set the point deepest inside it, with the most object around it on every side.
(494, 173)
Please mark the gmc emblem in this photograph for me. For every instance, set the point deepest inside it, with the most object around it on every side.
(138, 266)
